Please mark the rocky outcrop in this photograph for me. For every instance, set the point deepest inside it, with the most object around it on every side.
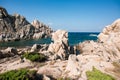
(3, 12)
(73, 68)
(53, 68)
(59, 47)
(41, 30)
(39, 48)
(16, 27)
(110, 39)
(9, 52)
(107, 46)
(35, 48)
(99, 54)
(110, 32)
(14, 63)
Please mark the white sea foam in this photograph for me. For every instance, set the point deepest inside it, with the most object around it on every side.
(93, 35)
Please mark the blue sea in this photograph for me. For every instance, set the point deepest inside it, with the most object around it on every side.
(74, 38)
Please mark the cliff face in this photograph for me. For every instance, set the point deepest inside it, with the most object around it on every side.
(16, 27)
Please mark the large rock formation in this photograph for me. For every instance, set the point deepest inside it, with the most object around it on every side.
(110, 39)
(16, 27)
(101, 54)
(59, 47)
(110, 32)
(107, 46)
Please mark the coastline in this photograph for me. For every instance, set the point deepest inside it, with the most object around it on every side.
(73, 37)
(59, 60)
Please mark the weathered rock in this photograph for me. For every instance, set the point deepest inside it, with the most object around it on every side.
(110, 31)
(1, 38)
(44, 47)
(3, 12)
(38, 35)
(87, 62)
(53, 69)
(9, 52)
(60, 45)
(16, 27)
(73, 67)
(60, 36)
(37, 24)
(110, 39)
(99, 54)
(46, 77)
(95, 48)
(41, 30)
(14, 63)
(35, 48)
(1, 55)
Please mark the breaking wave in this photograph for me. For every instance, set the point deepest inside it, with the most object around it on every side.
(93, 35)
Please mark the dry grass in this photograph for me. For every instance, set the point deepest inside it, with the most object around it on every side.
(116, 70)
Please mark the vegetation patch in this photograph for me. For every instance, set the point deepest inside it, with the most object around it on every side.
(98, 75)
(21, 74)
(34, 56)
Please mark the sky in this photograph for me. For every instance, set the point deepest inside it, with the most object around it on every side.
(70, 15)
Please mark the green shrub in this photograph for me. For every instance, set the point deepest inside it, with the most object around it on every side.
(98, 75)
(34, 56)
(22, 74)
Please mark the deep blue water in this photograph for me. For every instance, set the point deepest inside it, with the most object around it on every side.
(77, 37)
(74, 38)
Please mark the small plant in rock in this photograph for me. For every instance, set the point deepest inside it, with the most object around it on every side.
(98, 75)
(34, 56)
(21, 74)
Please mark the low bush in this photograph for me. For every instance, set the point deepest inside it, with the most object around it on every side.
(98, 75)
(34, 56)
(21, 74)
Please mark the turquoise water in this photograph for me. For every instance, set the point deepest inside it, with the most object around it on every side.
(74, 38)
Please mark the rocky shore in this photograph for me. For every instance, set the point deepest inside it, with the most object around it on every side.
(16, 27)
(59, 61)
